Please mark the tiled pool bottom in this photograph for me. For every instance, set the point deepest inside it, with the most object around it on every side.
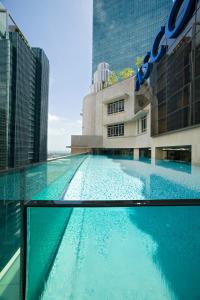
(103, 178)
(128, 253)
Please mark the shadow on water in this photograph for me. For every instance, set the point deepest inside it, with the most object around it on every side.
(178, 166)
(176, 232)
(159, 187)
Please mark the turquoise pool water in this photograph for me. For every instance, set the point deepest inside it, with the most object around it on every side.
(144, 253)
(103, 178)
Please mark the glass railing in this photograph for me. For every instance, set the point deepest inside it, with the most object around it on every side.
(47, 181)
(46, 227)
(100, 250)
(11, 240)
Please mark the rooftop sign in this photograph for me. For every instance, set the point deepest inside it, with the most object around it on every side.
(175, 26)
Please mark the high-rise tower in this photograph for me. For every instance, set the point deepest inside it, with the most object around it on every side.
(125, 29)
(24, 80)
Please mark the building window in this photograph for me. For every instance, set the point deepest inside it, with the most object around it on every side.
(142, 125)
(115, 130)
(115, 107)
(138, 126)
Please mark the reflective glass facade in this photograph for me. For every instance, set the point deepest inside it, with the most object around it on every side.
(22, 105)
(123, 30)
(24, 80)
(4, 100)
(175, 82)
(41, 111)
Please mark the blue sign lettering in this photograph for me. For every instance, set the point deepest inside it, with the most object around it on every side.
(156, 53)
(175, 26)
(144, 71)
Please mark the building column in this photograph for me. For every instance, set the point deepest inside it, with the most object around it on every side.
(136, 154)
(157, 154)
(153, 155)
(196, 154)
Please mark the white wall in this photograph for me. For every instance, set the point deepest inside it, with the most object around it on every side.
(96, 119)
(89, 115)
(189, 137)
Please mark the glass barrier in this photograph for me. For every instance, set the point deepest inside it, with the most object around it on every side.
(46, 228)
(46, 181)
(112, 252)
(10, 246)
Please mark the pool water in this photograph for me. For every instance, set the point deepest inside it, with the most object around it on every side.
(103, 178)
(143, 253)
(87, 177)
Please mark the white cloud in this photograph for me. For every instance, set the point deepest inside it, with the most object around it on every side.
(60, 131)
(53, 118)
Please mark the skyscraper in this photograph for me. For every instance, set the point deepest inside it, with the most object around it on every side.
(125, 29)
(41, 111)
(24, 79)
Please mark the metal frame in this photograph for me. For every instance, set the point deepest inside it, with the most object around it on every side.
(110, 203)
(85, 204)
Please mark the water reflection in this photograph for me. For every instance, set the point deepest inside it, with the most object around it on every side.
(176, 232)
(182, 167)
(165, 180)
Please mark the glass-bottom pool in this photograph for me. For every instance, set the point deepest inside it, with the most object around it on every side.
(128, 253)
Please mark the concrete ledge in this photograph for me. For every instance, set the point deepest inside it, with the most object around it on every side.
(86, 141)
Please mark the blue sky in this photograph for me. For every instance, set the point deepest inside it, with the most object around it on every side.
(63, 28)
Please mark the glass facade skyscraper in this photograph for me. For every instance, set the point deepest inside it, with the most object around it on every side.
(41, 111)
(125, 29)
(24, 79)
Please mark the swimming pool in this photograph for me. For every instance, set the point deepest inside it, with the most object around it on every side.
(127, 253)
(87, 177)
(103, 178)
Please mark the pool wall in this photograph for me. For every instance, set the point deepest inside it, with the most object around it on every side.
(10, 243)
(45, 231)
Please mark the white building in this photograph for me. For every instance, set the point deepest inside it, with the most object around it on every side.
(117, 120)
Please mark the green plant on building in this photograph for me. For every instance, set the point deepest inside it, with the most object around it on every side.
(113, 78)
(126, 73)
(139, 61)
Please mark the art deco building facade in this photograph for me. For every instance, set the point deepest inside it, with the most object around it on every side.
(24, 79)
(123, 30)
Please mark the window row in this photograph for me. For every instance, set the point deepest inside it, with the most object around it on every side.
(115, 130)
(115, 107)
(142, 125)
